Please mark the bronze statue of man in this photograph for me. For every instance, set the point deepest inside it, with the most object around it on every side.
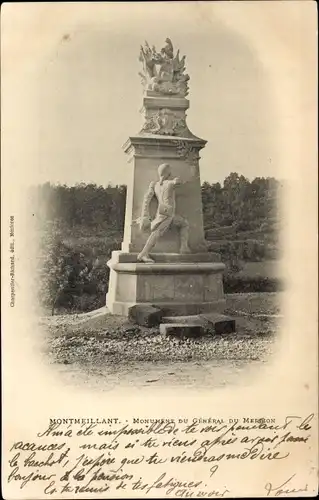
(164, 191)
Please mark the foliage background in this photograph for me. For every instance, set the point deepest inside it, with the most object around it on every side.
(79, 227)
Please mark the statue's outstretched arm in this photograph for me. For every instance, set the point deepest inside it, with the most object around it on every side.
(178, 181)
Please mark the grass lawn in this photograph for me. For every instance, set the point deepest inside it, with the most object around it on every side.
(263, 269)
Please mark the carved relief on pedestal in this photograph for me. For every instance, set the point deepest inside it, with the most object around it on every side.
(187, 152)
(163, 73)
(165, 122)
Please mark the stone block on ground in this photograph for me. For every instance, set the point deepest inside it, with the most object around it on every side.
(193, 319)
(145, 315)
(181, 329)
(220, 323)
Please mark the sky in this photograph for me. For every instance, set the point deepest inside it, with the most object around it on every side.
(73, 93)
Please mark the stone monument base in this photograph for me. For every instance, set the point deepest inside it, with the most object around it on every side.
(177, 284)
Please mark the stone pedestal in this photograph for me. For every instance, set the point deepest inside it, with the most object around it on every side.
(178, 284)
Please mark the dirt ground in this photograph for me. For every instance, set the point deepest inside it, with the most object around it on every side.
(108, 352)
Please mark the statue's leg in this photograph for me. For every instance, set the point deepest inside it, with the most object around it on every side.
(183, 226)
(150, 243)
(152, 240)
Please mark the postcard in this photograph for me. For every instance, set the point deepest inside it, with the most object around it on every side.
(159, 250)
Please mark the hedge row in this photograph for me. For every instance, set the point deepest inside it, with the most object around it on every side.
(247, 250)
(78, 281)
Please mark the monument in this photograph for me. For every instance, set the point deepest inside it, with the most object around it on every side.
(164, 261)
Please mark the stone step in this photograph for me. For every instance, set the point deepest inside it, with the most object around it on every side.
(220, 323)
(145, 315)
(121, 257)
(181, 329)
(194, 319)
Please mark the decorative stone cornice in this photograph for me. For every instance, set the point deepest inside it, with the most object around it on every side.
(164, 146)
(167, 268)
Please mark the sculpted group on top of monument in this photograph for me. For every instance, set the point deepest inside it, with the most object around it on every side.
(169, 78)
(166, 86)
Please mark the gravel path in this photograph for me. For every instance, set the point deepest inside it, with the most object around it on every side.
(115, 353)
